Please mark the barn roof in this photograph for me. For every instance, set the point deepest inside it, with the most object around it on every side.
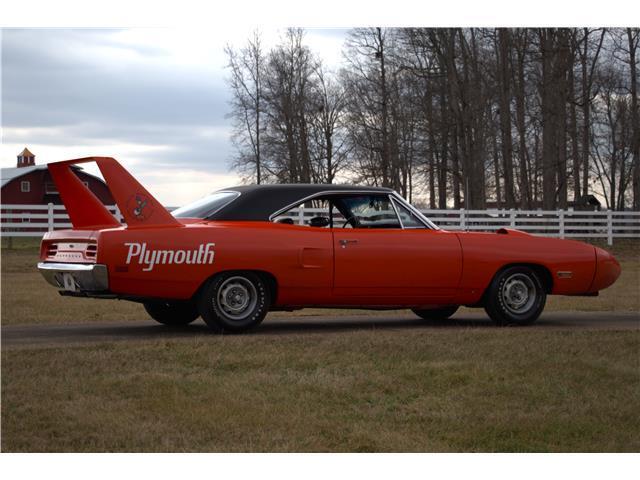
(8, 174)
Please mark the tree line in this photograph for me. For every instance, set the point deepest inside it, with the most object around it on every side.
(451, 117)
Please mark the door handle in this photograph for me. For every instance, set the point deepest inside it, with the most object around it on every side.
(345, 242)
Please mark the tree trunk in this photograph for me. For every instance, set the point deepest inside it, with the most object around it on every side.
(496, 170)
(446, 148)
(549, 119)
(385, 112)
(504, 86)
(525, 181)
(258, 102)
(428, 100)
(563, 64)
(573, 134)
(635, 116)
(586, 115)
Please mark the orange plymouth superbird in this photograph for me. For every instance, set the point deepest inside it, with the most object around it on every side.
(240, 252)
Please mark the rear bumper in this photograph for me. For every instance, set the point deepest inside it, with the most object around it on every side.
(76, 277)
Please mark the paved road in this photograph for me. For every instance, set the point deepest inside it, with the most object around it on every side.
(70, 334)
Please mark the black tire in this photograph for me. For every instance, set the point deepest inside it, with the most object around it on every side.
(234, 302)
(436, 313)
(172, 313)
(515, 296)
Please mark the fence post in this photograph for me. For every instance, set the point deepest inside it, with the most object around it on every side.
(50, 217)
(609, 228)
(512, 216)
(561, 222)
(301, 215)
(463, 220)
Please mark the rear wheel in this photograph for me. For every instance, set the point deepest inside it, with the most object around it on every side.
(436, 313)
(234, 302)
(173, 313)
(516, 296)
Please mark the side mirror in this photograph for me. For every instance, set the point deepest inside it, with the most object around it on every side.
(319, 222)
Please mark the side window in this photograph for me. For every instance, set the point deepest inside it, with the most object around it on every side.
(314, 213)
(369, 211)
(25, 187)
(407, 217)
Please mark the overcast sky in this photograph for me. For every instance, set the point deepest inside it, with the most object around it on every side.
(155, 99)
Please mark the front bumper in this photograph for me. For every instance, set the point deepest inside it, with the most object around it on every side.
(76, 277)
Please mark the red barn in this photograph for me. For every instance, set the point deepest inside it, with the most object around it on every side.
(31, 184)
(31, 187)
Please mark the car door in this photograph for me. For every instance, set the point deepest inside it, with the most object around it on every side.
(385, 260)
(301, 255)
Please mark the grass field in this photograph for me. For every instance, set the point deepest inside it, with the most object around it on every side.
(417, 389)
(433, 390)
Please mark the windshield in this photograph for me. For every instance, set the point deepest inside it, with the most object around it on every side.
(206, 206)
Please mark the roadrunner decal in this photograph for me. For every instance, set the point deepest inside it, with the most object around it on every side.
(140, 206)
(203, 255)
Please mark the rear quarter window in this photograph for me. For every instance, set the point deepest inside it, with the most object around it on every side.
(206, 206)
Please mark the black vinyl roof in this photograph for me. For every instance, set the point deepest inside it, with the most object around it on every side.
(259, 202)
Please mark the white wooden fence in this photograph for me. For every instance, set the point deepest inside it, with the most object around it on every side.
(551, 223)
(34, 220)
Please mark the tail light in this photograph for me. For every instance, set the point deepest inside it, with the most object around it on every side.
(91, 251)
(52, 250)
(70, 252)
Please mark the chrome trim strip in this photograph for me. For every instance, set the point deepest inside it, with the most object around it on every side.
(208, 217)
(87, 277)
(427, 223)
(417, 212)
(239, 194)
(395, 209)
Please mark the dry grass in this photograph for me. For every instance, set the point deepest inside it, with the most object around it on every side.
(27, 298)
(464, 389)
(436, 390)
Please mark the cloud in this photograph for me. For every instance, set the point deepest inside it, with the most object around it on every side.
(154, 98)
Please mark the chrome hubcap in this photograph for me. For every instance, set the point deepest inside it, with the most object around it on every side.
(518, 293)
(237, 297)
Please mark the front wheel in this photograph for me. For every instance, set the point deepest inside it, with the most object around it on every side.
(516, 296)
(234, 302)
(172, 313)
(436, 313)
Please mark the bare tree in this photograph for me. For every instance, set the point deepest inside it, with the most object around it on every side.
(246, 82)
(461, 117)
(633, 38)
(612, 137)
(504, 86)
(588, 62)
(327, 119)
(366, 81)
(288, 88)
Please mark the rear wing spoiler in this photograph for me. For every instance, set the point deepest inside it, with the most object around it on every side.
(86, 211)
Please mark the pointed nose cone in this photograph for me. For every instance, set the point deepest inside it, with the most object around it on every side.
(607, 270)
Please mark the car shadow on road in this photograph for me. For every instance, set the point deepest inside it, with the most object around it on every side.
(27, 335)
(133, 331)
(317, 325)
